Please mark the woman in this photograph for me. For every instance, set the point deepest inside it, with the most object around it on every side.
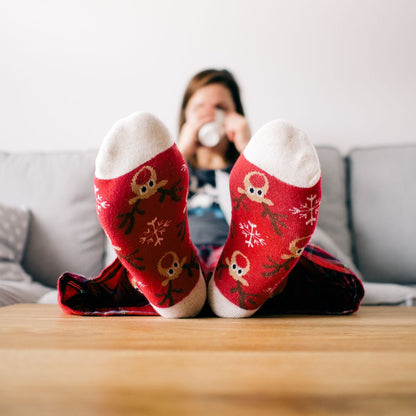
(208, 92)
(259, 257)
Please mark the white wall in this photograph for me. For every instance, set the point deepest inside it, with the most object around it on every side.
(343, 70)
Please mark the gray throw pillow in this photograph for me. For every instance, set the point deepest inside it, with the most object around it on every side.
(15, 284)
(14, 227)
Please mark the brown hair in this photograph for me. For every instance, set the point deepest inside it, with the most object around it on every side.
(213, 76)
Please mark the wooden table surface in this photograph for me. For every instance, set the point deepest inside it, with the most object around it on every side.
(57, 364)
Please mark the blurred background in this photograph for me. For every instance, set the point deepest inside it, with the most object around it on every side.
(343, 70)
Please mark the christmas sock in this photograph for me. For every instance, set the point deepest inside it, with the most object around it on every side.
(275, 191)
(141, 185)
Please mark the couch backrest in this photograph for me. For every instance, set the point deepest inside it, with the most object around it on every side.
(383, 212)
(57, 188)
(65, 235)
(333, 215)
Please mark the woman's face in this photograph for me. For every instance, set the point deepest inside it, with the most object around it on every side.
(206, 100)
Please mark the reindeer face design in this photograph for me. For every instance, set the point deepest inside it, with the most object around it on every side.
(238, 266)
(170, 266)
(296, 248)
(256, 186)
(144, 184)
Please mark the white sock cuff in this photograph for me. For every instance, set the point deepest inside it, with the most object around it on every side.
(131, 142)
(224, 308)
(189, 306)
(286, 153)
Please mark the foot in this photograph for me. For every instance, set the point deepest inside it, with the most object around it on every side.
(275, 190)
(141, 185)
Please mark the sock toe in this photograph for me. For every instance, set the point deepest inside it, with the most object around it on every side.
(275, 195)
(141, 185)
(131, 142)
(286, 153)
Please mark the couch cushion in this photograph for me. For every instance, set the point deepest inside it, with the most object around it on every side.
(15, 284)
(333, 215)
(383, 200)
(14, 229)
(389, 294)
(58, 189)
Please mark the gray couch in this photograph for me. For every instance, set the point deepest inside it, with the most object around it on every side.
(48, 223)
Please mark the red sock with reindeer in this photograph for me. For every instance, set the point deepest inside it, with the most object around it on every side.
(141, 184)
(275, 190)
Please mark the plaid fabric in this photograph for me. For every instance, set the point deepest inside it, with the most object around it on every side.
(318, 284)
(110, 293)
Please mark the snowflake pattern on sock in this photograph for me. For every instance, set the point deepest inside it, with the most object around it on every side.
(99, 201)
(308, 210)
(249, 230)
(154, 234)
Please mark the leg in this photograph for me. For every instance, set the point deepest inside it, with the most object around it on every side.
(141, 184)
(110, 293)
(275, 190)
(318, 284)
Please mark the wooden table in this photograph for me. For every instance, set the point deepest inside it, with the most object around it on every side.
(57, 364)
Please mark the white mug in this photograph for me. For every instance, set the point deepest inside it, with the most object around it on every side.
(210, 134)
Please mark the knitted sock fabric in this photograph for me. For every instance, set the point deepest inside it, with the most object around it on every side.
(141, 185)
(275, 190)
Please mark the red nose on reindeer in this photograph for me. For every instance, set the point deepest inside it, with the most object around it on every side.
(143, 176)
(167, 260)
(241, 260)
(258, 180)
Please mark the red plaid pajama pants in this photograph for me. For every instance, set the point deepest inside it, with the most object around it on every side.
(318, 284)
